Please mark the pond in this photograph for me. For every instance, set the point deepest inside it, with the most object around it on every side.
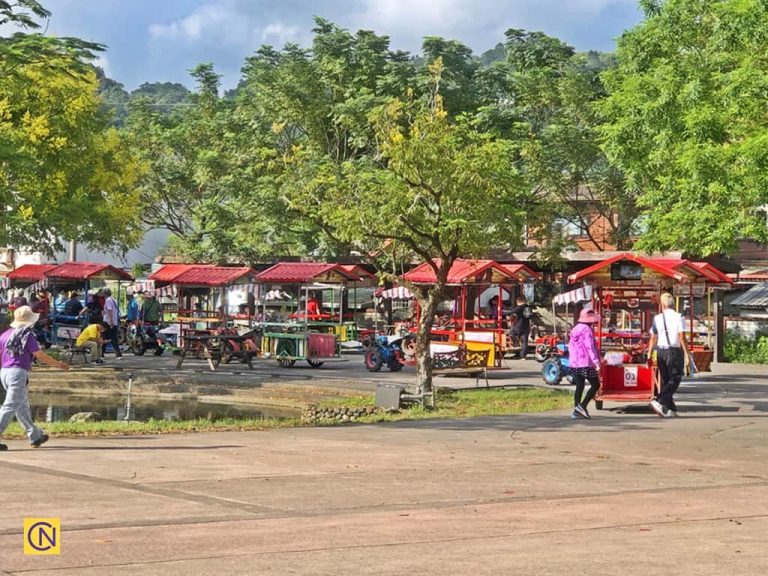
(60, 407)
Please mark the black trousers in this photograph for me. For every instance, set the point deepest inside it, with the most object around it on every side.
(112, 335)
(523, 339)
(579, 380)
(671, 362)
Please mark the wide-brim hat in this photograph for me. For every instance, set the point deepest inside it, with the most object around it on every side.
(588, 316)
(23, 317)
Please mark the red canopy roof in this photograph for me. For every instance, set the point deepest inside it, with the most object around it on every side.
(718, 275)
(471, 271)
(31, 272)
(212, 276)
(359, 271)
(87, 271)
(169, 272)
(665, 267)
(304, 272)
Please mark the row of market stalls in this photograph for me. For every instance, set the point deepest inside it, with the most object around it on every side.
(299, 311)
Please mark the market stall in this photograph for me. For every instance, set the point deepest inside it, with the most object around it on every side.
(79, 277)
(205, 321)
(480, 292)
(625, 293)
(312, 330)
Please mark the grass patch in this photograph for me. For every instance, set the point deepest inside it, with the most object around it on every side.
(464, 404)
(450, 404)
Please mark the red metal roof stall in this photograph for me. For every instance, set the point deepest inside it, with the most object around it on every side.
(308, 333)
(471, 285)
(78, 276)
(626, 290)
(30, 274)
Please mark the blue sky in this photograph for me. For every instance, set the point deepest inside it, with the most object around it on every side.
(160, 40)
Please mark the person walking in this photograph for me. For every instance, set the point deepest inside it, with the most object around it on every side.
(672, 355)
(584, 362)
(521, 316)
(17, 347)
(111, 315)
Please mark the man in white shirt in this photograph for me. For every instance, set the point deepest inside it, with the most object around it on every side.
(112, 319)
(672, 356)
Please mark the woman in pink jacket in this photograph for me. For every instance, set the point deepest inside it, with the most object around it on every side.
(584, 362)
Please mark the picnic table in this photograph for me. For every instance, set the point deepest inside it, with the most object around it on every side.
(214, 348)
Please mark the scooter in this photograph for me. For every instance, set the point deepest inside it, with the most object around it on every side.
(393, 350)
(143, 337)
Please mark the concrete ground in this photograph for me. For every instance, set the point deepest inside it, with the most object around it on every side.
(624, 493)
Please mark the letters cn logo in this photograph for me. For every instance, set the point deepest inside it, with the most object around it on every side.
(42, 536)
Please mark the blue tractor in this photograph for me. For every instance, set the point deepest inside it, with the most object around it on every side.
(393, 350)
(557, 366)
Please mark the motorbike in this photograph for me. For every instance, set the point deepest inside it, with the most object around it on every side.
(143, 337)
(393, 350)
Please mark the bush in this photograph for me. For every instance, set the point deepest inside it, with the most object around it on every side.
(746, 350)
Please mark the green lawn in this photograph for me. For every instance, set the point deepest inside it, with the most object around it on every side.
(462, 404)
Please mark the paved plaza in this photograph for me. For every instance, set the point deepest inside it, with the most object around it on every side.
(540, 494)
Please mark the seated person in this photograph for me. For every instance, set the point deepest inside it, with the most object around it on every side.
(91, 337)
(73, 307)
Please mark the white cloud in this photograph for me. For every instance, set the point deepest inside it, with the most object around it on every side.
(103, 62)
(279, 33)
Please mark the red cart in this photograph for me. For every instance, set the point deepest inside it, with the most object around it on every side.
(626, 290)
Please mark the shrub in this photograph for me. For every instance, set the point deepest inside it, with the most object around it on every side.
(746, 350)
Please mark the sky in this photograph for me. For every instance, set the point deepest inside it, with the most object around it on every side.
(161, 40)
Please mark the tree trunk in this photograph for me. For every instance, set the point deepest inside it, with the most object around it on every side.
(426, 319)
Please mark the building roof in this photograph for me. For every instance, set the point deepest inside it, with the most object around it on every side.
(169, 272)
(212, 276)
(359, 271)
(755, 297)
(472, 272)
(87, 271)
(751, 276)
(305, 272)
(652, 264)
(31, 272)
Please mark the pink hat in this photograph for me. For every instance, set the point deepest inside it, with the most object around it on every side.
(588, 316)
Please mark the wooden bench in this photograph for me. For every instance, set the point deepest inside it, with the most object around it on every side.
(70, 349)
(462, 361)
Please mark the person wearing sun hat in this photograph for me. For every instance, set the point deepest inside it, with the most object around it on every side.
(17, 348)
(584, 362)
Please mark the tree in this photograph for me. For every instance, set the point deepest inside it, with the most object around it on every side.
(63, 172)
(315, 103)
(205, 177)
(546, 95)
(687, 122)
(441, 189)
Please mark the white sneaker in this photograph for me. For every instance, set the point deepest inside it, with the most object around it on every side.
(581, 411)
(658, 408)
(671, 414)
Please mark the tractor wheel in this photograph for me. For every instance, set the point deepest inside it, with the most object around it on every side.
(373, 360)
(394, 365)
(552, 371)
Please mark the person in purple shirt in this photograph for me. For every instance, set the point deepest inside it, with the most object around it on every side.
(17, 349)
(584, 362)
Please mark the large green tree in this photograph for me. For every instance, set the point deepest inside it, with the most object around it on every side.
(688, 122)
(64, 173)
(440, 188)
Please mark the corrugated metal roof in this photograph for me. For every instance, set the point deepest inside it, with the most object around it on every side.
(755, 297)
(359, 271)
(31, 272)
(87, 270)
(304, 272)
(212, 276)
(471, 271)
(749, 276)
(169, 272)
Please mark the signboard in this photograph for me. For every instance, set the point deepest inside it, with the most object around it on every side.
(630, 377)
